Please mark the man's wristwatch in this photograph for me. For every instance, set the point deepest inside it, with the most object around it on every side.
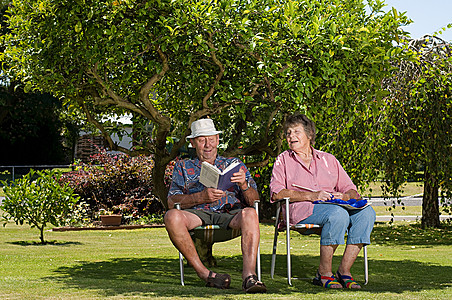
(247, 188)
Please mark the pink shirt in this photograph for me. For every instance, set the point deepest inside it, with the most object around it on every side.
(325, 173)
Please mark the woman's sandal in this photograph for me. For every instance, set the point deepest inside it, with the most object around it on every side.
(220, 281)
(347, 281)
(329, 283)
(252, 285)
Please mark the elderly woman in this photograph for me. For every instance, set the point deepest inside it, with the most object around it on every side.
(306, 175)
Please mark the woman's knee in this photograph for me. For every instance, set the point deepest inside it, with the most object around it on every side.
(338, 218)
(365, 216)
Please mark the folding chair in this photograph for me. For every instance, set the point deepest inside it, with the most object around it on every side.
(305, 229)
(212, 234)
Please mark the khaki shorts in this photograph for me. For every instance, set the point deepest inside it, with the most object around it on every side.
(215, 218)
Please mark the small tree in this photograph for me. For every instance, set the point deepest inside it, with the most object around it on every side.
(419, 110)
(39, 201)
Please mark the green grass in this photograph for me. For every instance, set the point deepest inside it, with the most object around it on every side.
(398, 210)
(408, 189)
(405, 262)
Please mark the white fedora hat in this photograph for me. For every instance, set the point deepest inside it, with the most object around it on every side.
(203, 127)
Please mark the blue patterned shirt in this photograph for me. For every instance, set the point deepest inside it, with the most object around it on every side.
(186, 181)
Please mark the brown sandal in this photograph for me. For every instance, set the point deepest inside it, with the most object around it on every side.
(220, 281)
(252, 285)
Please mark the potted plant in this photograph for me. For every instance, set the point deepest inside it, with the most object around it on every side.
(109, 218)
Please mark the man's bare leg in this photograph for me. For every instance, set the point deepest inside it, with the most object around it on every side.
(248, 222)
(177, 224)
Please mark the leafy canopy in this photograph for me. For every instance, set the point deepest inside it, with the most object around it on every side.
(246, 64)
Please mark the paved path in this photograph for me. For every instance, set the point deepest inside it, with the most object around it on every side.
(415, 200)
(407, 218)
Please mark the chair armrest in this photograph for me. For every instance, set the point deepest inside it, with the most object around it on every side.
(279, 203)
(256, 204)
(281, 200)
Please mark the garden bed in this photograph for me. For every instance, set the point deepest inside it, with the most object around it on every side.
(100, 227)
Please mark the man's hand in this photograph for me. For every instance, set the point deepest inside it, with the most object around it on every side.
(240, 179)
(210, 195)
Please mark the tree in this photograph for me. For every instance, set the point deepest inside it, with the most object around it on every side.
(31, 128)
(244, 63)
(38, 199)
(419, 109)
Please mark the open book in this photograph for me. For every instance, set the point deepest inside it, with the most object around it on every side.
(351, 204)
(212, 177)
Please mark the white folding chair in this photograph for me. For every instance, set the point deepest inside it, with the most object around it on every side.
(212, 234)
(305, 229)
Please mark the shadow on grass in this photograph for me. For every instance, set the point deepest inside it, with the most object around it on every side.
(160, 276)
(36, 243)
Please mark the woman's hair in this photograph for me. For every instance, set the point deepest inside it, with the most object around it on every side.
(300, 119)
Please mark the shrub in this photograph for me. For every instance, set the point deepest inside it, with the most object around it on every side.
(38, 199)
(116, 183)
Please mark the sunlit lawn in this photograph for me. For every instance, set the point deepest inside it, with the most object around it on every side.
(408, 189)
(405, 263)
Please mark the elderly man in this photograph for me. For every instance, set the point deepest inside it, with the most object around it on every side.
(210, 206)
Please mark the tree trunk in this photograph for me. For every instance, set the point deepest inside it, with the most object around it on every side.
(41, 236)
(430, 205)
(158, 178)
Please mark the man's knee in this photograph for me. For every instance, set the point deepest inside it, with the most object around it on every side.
(249, 213)
(249, 218)
(172, 216)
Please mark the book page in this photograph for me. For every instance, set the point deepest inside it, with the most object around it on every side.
(230, 167)
(212, 177)
(209, 175)
(224, 182)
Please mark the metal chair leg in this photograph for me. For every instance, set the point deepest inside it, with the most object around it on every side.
(258, 259)
(275, 241)
(181, 266)
(289, 265)
(366, 265)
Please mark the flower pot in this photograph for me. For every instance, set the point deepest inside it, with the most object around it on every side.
(111, 220)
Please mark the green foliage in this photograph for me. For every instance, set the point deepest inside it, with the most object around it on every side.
(39, 201)
(116, 183)
(246, 64)
(419, 113)
(31, 131)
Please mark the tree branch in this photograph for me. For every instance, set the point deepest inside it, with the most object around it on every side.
(146, 89)
(219, 75)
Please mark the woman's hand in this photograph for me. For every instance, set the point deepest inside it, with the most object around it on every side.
(341, 196)
(323, 196)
